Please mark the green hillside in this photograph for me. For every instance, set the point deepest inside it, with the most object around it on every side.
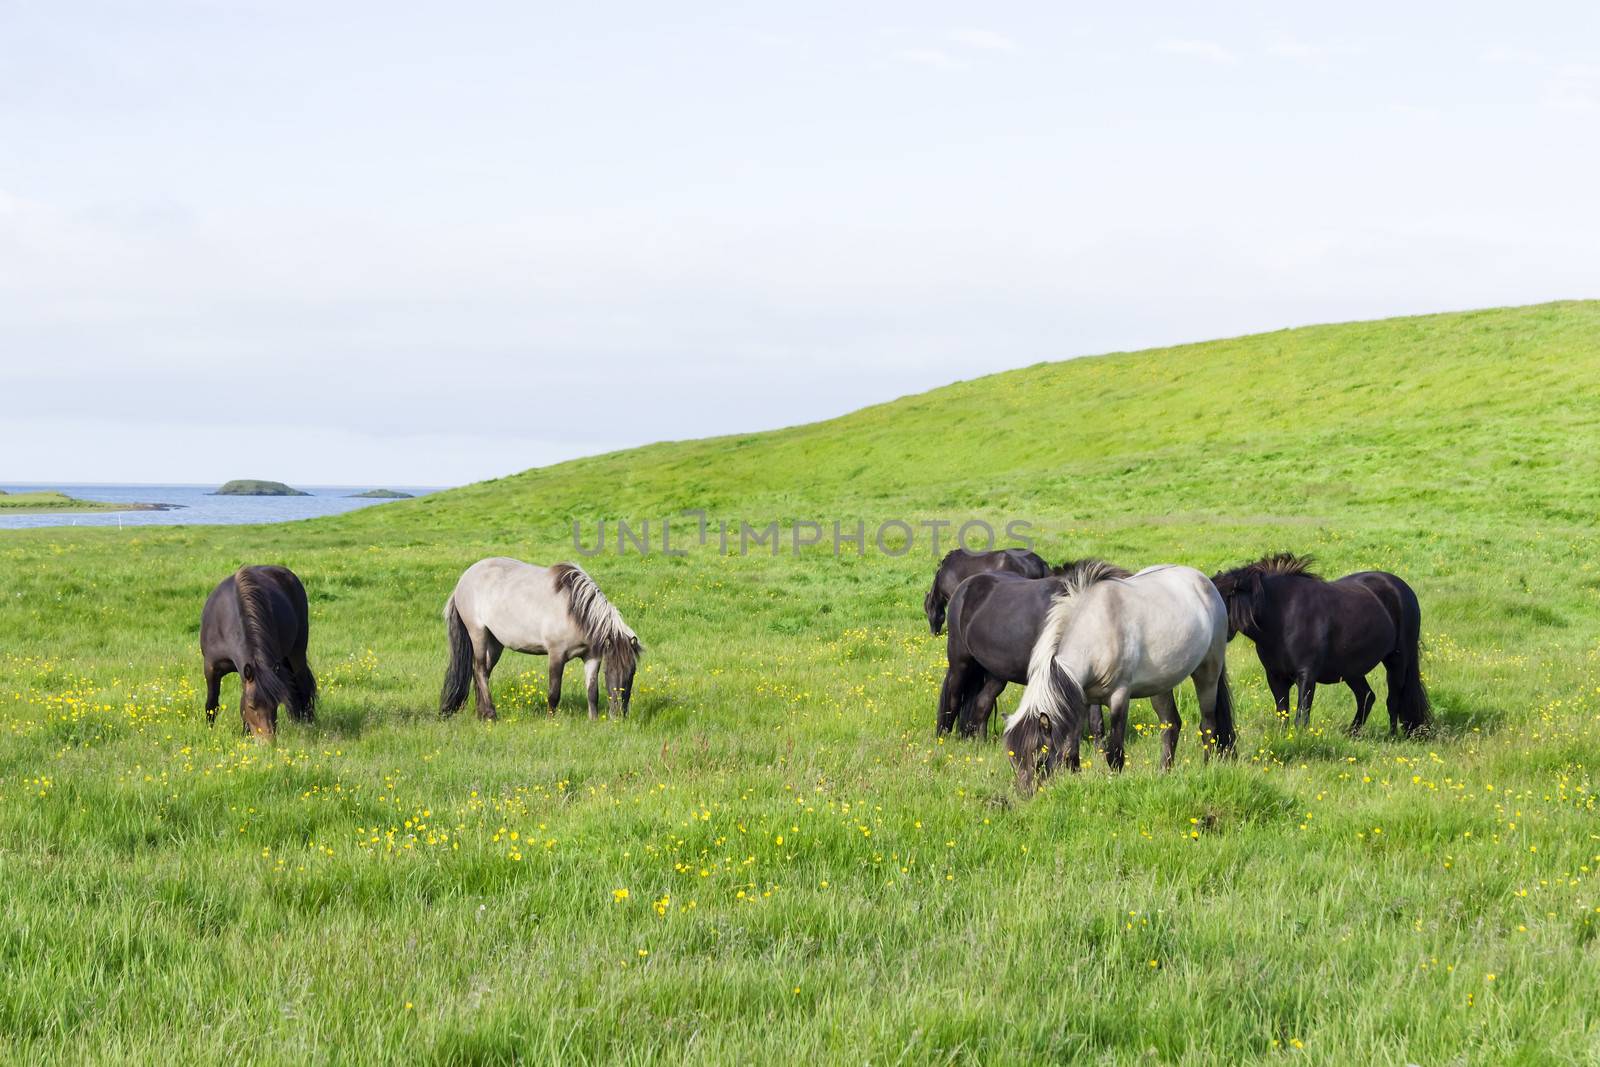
(773, 860)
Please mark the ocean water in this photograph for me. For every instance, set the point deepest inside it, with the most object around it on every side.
(198, 505)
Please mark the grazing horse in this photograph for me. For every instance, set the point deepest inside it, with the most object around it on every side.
(1308, 630)
(995, 619)
(1113, 640)
(545, 611)
(256, 622)
(958, 566)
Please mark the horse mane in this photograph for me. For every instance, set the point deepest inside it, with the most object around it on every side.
(1281, 563)
(1074, 578)
(255, 611)
(1241, 611)
(1079, 574)
(599, 619)
(1089, 570)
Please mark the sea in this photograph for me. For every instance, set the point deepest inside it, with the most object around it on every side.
(195, 505)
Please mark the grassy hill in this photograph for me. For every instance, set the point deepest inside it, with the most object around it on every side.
(773, 859)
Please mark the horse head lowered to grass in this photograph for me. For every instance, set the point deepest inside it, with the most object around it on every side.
(257, 622)
(995, 619)
(1108, 640)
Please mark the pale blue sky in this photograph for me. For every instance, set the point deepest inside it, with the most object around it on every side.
(440, 243)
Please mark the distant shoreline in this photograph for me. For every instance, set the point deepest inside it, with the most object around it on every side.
(48, 501)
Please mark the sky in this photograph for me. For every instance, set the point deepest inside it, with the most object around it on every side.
(426, 244)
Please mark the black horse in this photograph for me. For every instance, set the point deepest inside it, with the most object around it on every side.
(256, 622)
(1308, 630)
(995, 619)
(958, 566)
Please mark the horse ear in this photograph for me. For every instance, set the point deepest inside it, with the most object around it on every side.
(248, 673)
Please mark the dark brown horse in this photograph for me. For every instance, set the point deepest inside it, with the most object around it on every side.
(256, 622)
(958, 566)
(1308, 630)
(995, 620)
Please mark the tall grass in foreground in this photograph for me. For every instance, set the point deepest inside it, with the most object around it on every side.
(773, 860)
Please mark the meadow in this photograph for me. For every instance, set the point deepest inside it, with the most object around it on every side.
(773, 859)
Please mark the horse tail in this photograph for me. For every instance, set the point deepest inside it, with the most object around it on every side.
(1225, 736)
(305, 689)
(1410, 703)
(302, 682)
(458, 674)
(1051, 704)
(966, 699)
(957, 699)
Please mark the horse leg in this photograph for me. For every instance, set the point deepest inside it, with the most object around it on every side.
(983, 707)
(213, 692)
(1365, 698)
(558, 663)
(1166, 706)
(591, 684)
(485, 654)
(1207, 680)
(1279, 684)
(949, 701)
(1306, 682)
(1097, 724)
(1116, 729)
(1394, 672)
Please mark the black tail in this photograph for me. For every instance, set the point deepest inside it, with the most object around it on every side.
(1408, 701)
(304, 707)
(458, 674)
(1226, 737)
(967, 700)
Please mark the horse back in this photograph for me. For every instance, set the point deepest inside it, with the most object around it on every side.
(279, 603)
(1145, 633)
(995, 618)
(961, 565)
(518, 603)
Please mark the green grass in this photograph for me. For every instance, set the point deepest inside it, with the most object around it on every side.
(50, 500)
(811, 877)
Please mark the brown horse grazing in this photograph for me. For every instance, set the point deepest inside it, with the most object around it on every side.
(958, 566)
(256, 622)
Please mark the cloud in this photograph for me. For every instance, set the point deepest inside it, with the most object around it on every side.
(1207, 50)
(1574, 87)
(930, 57)
(988, 40)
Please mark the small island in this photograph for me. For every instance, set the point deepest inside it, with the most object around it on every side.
(257, 487)
(46, 500)
(381, 494)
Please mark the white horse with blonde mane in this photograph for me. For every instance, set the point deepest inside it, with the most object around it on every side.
(1109, 640)
(556, 611)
